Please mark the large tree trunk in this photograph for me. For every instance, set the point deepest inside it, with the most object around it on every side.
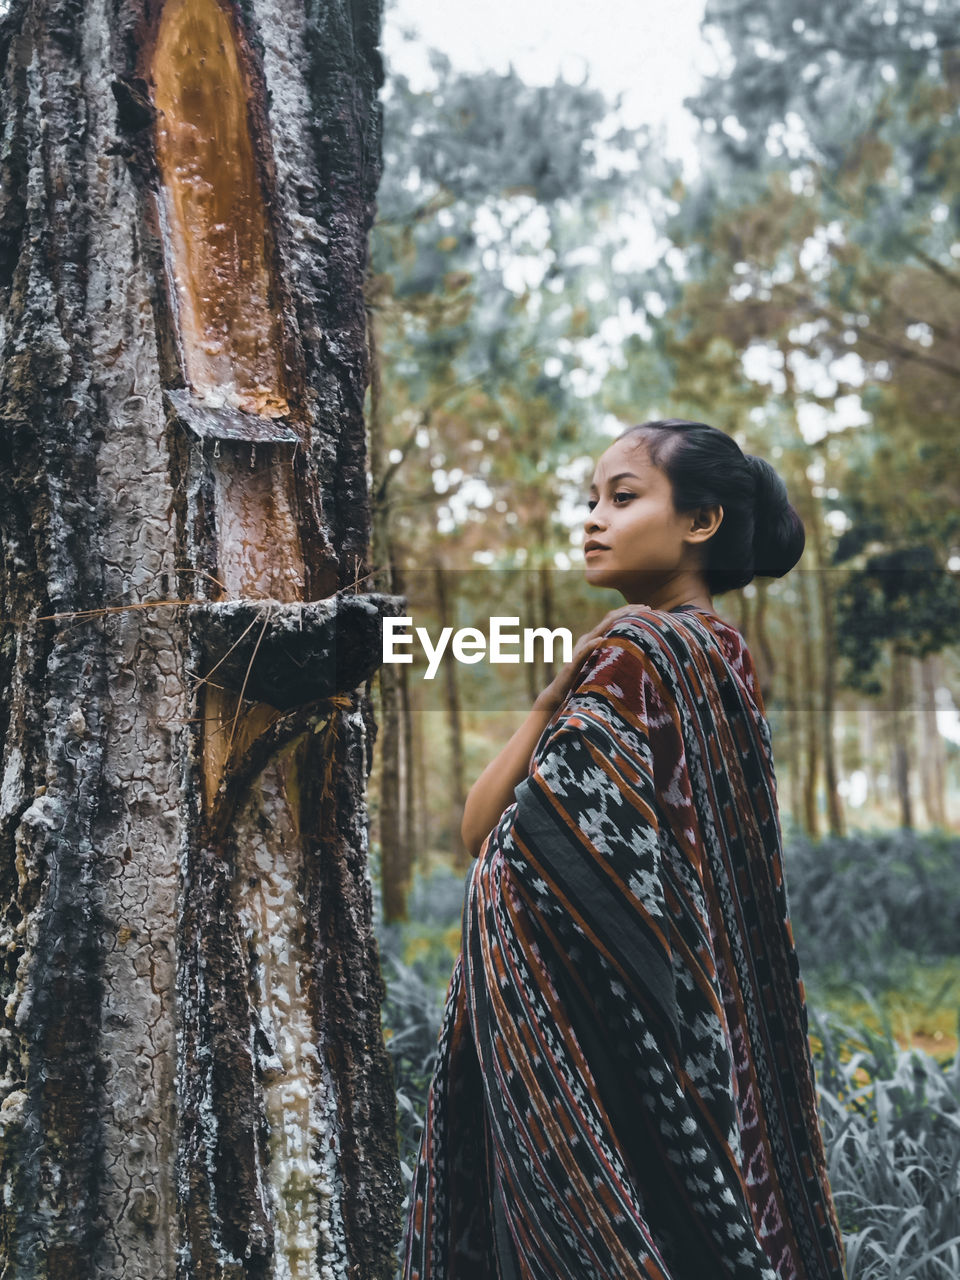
(193, 1078)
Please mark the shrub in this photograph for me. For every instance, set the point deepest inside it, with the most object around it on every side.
(860, 902)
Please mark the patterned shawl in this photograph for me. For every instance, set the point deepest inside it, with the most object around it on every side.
(624, 1086)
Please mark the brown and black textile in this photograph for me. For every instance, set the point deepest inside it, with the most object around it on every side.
(624, 1086)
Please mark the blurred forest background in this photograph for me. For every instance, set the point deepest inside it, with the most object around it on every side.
(542, 275)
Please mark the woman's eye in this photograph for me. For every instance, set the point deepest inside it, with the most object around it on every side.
(623, 494)
(591, 503)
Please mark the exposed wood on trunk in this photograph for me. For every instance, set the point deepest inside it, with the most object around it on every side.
(219, 237)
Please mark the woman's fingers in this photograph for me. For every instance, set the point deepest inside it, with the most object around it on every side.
(562, 683)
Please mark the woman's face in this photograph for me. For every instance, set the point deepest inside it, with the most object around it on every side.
(634, 540)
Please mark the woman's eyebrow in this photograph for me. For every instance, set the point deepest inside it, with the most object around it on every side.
(621, 475)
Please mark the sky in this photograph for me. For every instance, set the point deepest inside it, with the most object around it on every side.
(650, 52)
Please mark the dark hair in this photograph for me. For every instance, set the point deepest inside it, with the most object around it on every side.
(760, 533)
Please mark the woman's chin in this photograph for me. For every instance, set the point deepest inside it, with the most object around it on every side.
(595, 576)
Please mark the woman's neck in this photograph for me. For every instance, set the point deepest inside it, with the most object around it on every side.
(688, 589)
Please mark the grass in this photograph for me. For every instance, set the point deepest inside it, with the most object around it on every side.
(918, 1010)
(891, 1124)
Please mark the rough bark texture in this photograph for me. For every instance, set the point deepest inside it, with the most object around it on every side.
(192, 1077)
(394, 765)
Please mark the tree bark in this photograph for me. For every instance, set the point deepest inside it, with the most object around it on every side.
(192, 1074)
(392, 825)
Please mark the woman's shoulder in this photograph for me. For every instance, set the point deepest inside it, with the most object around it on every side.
(652, 660)
(648, 627)
(688, 633)
(640, 643)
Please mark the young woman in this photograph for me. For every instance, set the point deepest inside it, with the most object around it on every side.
(624, 1086)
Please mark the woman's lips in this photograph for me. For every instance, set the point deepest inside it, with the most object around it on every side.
(592, 551)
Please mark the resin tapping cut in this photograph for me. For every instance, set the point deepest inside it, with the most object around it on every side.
(214, 214)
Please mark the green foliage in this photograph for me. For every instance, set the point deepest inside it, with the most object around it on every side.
(903, 596)
(411, 1021)
(859, 902)
(416, 960)
(476, 135)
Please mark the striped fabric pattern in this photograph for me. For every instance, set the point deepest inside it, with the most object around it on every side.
(624, 1086)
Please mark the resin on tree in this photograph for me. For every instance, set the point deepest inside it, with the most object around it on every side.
(219, 243)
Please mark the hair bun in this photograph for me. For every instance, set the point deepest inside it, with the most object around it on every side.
(778, 533)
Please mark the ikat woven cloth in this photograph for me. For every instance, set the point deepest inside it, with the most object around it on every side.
(624, 1086)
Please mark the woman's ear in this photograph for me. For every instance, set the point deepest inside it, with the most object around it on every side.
(704, 523)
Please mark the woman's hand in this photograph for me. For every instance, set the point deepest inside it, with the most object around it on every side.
(558, 688)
